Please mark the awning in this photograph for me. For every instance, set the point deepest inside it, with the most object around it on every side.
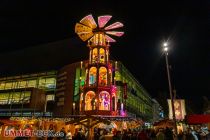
(9, 122)
(198, 119)
(164, 123)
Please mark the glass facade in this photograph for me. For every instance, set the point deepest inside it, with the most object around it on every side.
(21, 97)
(46, 83)
(138, 100)
(9, 93)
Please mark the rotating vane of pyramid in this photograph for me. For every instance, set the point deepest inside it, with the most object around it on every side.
(87, 28)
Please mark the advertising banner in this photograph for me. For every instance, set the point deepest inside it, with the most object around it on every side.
(179, 108)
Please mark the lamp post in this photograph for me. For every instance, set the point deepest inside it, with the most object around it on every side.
(165, 49)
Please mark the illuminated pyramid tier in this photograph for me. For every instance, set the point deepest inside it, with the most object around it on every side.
(98, 97)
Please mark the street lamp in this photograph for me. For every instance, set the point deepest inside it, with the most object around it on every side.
(165, 49)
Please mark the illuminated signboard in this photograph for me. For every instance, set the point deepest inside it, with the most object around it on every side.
(179, 108)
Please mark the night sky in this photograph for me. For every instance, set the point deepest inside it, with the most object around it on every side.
(26, 26)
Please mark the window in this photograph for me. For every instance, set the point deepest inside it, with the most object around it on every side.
(104, 100)
(117, 76)
(16, 97)
(95, 55)
(102, 55)
(50, 83)
(102, 76)
(101, 39)
(4, 98)
(61, 99)
(32, 83)
(97, 39)
(22, 84)
(92, 75)
(27, 96)
(42, 83)
(50, 97)
(2, 85)
(90, 101)
(8, 85)
(15, 84)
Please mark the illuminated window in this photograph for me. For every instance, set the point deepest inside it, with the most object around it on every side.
(104, 100)
(2, 85)
(32, 83)
(92, 75)
(4, 98)
(50, 83)
(117, 76)
(97, 39)
(16, 97)
(8, 85)
(90, 101)
(15, 84)
(100, 39)
(42, 83)
(102, 76)
(22, 84)
(50, 97)
(95, 55)
(102, 55)
(27, 96)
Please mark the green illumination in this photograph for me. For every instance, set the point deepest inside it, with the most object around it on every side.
(76, 82)
(117, 76)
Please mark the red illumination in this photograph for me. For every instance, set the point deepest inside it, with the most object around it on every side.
(113, 90)
(125, 90)
(198, 119)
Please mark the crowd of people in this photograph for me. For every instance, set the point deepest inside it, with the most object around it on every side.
(126, 134)
(144, 134)
(152, 134)
(161, 134)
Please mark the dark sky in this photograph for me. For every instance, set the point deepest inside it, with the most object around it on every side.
(185, 23)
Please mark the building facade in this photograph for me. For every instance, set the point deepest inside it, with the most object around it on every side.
(24, 95)
(158, 113)
(61, 93)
